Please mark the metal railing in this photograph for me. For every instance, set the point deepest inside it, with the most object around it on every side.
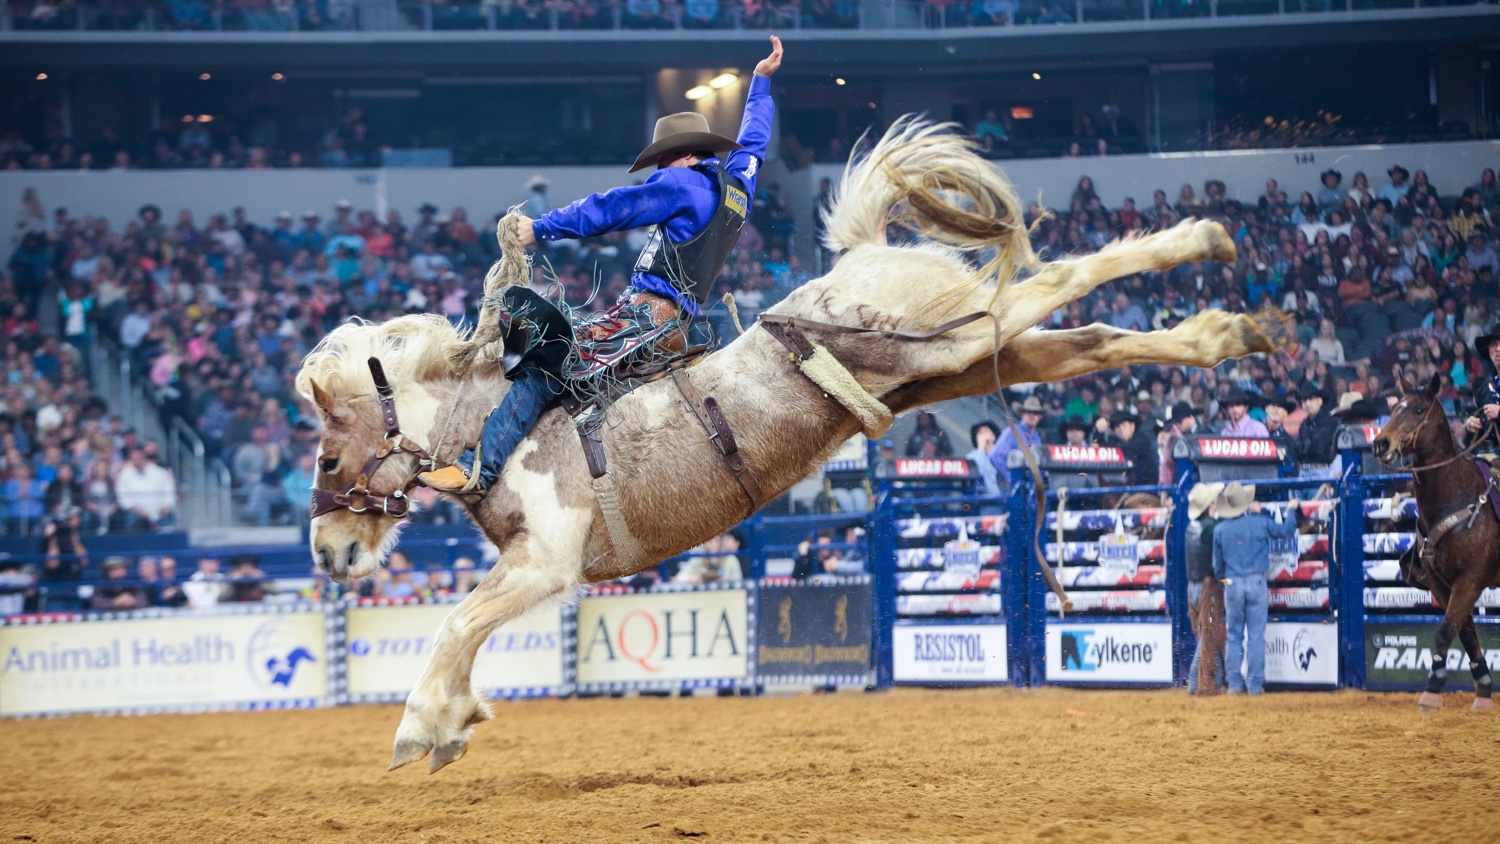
(387, 15)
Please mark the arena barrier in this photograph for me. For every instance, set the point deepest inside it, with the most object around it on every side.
(953, 595)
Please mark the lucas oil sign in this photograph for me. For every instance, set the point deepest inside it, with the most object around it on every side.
(655, 638)
(950, 653)
(1109, 653)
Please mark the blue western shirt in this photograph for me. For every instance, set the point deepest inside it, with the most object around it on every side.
(1242, 546)
(683, 200)
(1007, 443)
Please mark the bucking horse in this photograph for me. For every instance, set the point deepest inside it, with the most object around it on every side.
(893, 327)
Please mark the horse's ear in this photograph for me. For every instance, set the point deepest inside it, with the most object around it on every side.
(1404, 384)
(1433, 386)
(321, 399)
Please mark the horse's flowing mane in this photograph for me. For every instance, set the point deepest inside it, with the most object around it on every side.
(903, 180)
(411, 348)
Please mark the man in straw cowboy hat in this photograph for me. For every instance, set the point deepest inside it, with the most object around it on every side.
(1242, 561)
(1207, 626)
(1031, 413)
(696, 204)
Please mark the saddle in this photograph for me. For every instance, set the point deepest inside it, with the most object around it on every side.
(1416, 563)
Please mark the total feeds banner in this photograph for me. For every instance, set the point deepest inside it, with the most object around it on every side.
(950, 653)
(389, 645)
(181, 661)
(1109, 653)
(657, 637)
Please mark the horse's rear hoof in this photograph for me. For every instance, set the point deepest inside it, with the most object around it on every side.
(1430, 702)
(1483, 704)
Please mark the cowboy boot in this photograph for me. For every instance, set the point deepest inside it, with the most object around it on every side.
(455, 479)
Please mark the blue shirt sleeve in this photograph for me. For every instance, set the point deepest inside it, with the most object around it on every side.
(1219, 552)
(661, 196)
(1284, 529)
(755, 133)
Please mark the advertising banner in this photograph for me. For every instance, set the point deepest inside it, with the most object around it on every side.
(814, 633)
(182, 661)
(389, 645)
(951, 653)
(1109, 653)
(1302, 654)
(664, 639)
(1400, 655)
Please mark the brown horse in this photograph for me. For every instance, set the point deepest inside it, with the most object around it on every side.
(1458, 554)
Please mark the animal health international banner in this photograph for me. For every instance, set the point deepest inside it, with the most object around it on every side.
(664, 639)
(389, 645)
(152, 661)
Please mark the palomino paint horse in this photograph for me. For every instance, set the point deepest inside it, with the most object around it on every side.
(674, 489)
(1461, 553)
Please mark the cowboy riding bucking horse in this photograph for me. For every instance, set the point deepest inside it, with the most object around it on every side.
(696, 204)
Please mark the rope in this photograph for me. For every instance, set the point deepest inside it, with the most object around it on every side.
(734, 312)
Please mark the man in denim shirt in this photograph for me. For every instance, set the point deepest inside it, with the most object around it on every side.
(1242, 559)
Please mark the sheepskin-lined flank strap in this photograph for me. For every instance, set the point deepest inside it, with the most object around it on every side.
(824, 370)
(628, 552)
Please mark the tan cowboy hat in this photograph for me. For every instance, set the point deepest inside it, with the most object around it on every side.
(1202, 495)
(1347, 401)
(1236, 500)
(1031, 405)
(686, 130)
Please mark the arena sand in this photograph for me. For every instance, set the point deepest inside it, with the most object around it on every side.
(908, 765)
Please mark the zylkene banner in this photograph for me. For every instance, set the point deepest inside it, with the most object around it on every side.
(663, 639)
(1109, 653)
(181, 661)
(815, 633)
(389, 645)
(950, 653)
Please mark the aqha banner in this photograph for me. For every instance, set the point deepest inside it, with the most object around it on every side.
(663, 639)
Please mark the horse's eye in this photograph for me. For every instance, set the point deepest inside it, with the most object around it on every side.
(329, 464)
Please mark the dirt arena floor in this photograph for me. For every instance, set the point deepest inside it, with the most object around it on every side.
(909, 765)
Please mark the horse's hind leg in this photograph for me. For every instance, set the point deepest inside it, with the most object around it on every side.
(1483, 684)
(1026, 303)
(443, 708)
(1457, 607)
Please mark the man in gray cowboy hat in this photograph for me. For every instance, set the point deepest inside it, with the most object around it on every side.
(696, 203)
(1242, 561)
(1031, 419)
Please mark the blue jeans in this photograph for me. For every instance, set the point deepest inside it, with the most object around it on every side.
(531, 388)
(1246, 603)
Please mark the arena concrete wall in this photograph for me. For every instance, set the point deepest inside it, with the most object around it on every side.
(485, 191)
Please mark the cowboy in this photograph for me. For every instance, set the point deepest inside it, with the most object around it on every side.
(1242, 561)
(1486, 414)
(1200, 566)
(1241, 424)
(1031, 419)
(696, 203)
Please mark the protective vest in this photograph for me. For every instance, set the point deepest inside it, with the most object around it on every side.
(693, 265)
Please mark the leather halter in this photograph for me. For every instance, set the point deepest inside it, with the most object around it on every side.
(358, 498)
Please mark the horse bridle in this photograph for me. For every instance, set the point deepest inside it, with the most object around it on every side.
(1409, 441)
(358, 498)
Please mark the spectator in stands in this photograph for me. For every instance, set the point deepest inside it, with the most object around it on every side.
(400, 584)
(1138, 445)
(1396, 190)
(1242, 560)
(464, 576)
(1184, 422)
(25, 501)
(928, 439)
(207, 587)
(717, 562)
(983, 436)
(1241, 424)
(247, 583)
(113, 593)
(160, 589)
(146, 492)
(536, 203)
(1031, 413)
(1200, 566)
(991, 131)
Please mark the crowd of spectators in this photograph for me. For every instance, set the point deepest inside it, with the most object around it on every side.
(215, 318)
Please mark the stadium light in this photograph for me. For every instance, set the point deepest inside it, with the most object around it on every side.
(1036, 76)
(278, 77)
(723, 80)
(839, 81)
(698, 92)
(205, 76)
(41, 77)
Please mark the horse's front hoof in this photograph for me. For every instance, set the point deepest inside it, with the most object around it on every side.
(1430, 702)
(1483, 704)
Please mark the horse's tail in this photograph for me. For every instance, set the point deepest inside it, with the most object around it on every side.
(909, 178)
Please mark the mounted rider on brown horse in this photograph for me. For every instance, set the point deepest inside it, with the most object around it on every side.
(1457, 553)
